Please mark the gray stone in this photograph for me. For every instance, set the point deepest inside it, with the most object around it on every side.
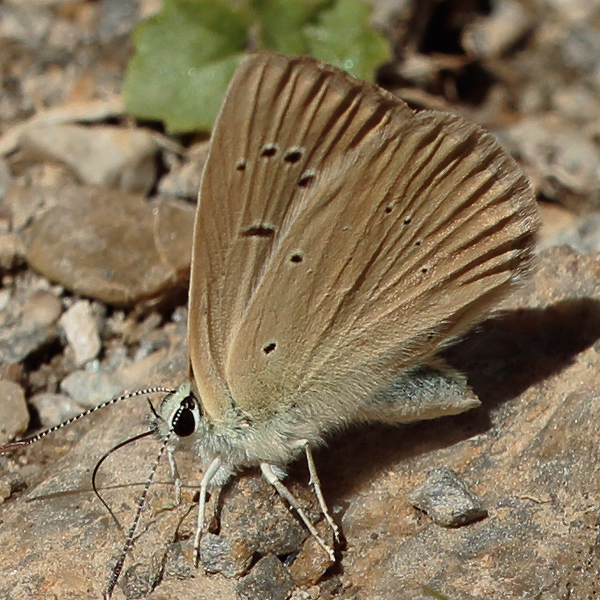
(53, 409)
(81, 329)
(447, 499)
(183, 178)
(13, 408)
(492, 34)
(268, 580)
(230, 556)
(10, 484)
(90, 388)
(98, 155)
(28, 319)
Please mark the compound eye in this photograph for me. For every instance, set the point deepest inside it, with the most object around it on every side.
(184, 422)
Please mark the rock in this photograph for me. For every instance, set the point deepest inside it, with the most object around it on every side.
(10, 484)
(528, 451)
(229, 556)
(117, 248)
(268, 580)
(28, 317)
(17, 24)
(493, 34)
(311, 563)
(81, 328)
(12, 251)
(13, 408)
(98, 155)
(183, 179)
(90, 388)
(563, 159)
(53, 409)
(580, 233)
(447, 499)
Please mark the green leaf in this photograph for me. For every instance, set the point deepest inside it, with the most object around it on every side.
(184, 59)
(281, 23)
(186, 54)
(343, 37)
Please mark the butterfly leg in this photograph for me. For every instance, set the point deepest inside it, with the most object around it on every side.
(206, 479)
(175, 475)
(316, 484)
(274, 480)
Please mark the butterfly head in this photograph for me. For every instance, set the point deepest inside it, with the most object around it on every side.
(180, 413)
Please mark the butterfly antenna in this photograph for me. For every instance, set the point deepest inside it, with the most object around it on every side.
(118, 568)
(26, 442)
(104, 457)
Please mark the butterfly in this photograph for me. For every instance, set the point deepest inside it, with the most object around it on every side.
(341, 241)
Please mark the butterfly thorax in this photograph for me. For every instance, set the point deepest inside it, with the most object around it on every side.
(237, 440)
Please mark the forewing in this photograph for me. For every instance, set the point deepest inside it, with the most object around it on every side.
(281, 120)
(387, 236)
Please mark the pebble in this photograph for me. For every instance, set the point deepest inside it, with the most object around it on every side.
(311, 563)
(81, 328)
(41, 309)
(580, 233)
(53, 409)
(99, 155)
(23, 25)
(558, 153)
(580, 48)
(577, 102)
(12, 250)
(491, 35)
(28, 318)
(447, 499)
(114, 247)
(230, 556)
(268, 580)
(89, 388)
(10, 484)
(183, 179)
(23, 203)
(13, 408)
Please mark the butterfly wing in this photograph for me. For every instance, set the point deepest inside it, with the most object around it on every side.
(342, 239)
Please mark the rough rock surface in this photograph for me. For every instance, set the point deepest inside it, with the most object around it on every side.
(528, 453)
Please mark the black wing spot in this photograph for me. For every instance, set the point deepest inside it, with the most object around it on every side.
(293, 155)
(388, 209)
(407, 220)
(269, 150)
(297, 257)
(262, 230)
(240, 165)
(418, 242)
(268, 348)
(306, 179)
